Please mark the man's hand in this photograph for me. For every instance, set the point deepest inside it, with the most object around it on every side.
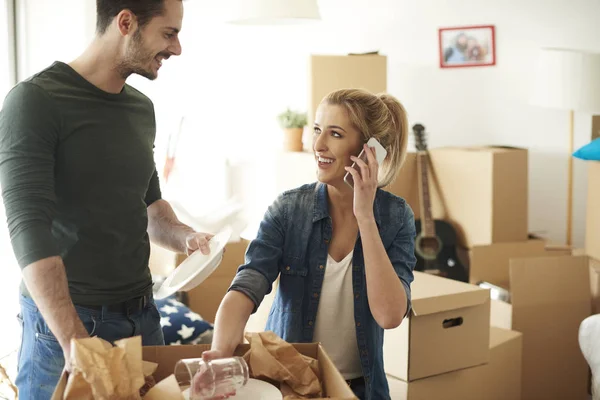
(46, 280)
(67, 349)
(198, 241)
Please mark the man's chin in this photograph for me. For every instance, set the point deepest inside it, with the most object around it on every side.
(148, 74)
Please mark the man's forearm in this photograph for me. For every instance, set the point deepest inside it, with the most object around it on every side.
(46, 281)
(165, 229)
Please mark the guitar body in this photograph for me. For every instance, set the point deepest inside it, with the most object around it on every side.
(438, 255)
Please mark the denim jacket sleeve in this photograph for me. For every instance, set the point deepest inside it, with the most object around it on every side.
(402, 252)
(255, 278)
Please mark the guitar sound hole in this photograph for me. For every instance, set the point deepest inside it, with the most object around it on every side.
(428, 247)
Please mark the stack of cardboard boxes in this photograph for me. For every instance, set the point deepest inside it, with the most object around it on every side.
(482, 192)
(446, 348)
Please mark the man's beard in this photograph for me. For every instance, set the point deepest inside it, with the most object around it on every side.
(138, 60)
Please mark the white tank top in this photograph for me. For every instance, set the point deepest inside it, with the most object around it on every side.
(335, 327)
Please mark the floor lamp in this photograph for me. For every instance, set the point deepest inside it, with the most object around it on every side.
(568, 80)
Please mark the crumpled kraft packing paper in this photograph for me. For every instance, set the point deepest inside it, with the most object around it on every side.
(272, 359)
(101, 371)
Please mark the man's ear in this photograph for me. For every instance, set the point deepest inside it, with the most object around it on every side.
(126, 22)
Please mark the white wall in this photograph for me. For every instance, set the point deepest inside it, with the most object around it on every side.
(236, 79)
(231, 81)
(52, 30)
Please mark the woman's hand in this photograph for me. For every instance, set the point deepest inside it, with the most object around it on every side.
(365, 184)
(203, 379)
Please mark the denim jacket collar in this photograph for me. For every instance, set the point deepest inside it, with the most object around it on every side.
(321, 208)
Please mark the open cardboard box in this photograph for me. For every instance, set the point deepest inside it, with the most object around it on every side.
(490, 263)
(550, 297)
(447, 330)
(500, 379)
(166, 357)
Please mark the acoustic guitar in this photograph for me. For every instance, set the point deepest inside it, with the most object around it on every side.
(435, 244)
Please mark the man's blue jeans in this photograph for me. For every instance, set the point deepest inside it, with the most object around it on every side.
(41, 359)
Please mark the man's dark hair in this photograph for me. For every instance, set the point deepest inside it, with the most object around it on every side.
(144, 10)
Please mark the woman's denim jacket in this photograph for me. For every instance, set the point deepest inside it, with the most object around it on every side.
(292, 242)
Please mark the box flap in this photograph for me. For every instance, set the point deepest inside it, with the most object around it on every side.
(333, 383)
(490, 263)
(368, 53)
(432, 294)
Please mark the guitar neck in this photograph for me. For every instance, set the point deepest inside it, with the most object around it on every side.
(427, 224)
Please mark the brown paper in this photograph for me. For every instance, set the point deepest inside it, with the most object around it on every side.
(103, 372)
(168, 388)
(271, 358)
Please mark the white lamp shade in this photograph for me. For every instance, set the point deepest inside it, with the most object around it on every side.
(567, 79)
(272, 12)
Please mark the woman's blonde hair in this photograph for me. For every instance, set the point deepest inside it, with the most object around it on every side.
(380, 116)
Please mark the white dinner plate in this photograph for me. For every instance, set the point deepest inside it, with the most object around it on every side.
(196, 268)
(255, 389)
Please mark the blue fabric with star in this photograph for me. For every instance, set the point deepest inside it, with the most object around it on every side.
(180, 325)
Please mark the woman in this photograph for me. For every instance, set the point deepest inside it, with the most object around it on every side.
(344, 255)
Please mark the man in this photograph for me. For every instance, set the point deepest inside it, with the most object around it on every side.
(82, 193)
(457, 52)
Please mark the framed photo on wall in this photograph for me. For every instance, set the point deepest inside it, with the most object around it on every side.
(467, 46)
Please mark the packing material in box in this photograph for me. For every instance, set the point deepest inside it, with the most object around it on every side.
(592, 221)
(550, 297)
(447, 330)
(500, 379)
(331, 72)
(490, 263)
(482, 191)
(116, 373)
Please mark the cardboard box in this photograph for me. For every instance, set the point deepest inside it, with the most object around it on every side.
(592, 222)
(595, 285)
(550, 298)
(482, 191)
(500, 379)
(406, 186)
(490, 263)
(166, 357)
(331, 72)
(447, 330)
(205, 298)
(595, 127)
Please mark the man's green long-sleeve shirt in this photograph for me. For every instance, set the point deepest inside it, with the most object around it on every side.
(77, 174)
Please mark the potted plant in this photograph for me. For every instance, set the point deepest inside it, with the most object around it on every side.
(293, 124)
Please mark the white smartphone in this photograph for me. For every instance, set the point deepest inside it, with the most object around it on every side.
(380, 154)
